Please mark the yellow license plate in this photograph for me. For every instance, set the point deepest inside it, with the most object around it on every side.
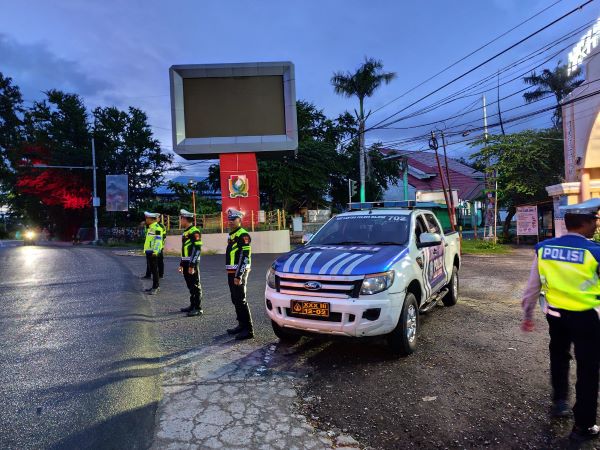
(318, 309)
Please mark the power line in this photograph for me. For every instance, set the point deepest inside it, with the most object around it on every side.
(465, 57)
(464, 74)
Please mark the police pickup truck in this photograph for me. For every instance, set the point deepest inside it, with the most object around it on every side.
(367, 272)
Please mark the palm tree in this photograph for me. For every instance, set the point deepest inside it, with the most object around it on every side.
(558, 82)
(362, 84)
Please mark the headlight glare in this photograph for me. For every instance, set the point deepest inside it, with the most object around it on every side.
(377, 282)
(271, 278)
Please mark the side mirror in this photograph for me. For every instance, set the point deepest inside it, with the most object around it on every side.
(429, 240)
(307, 237)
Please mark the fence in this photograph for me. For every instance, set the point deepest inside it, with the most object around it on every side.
(217, 223)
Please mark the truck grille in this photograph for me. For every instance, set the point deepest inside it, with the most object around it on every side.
(331, 287)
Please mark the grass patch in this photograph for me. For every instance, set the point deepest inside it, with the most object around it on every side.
(481, 247)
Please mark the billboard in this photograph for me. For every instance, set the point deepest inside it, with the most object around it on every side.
(233, 108)
(117, 193)
(527, 221)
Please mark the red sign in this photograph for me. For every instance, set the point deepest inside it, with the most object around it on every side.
(239, 184)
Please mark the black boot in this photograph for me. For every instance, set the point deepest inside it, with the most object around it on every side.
(584, 434)
(235, 330)
(246, 333)
(194, 312)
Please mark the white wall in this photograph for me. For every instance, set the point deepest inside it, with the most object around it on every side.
(262, 242)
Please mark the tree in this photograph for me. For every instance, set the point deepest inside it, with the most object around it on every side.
(56, 132)
(11, 110)
(125, 145)
(557, 82)
(362, 84)
(305, 179)
(526, 162)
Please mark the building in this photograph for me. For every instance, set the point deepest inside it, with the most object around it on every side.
(581, 130)
(425, 184)
(166, 193)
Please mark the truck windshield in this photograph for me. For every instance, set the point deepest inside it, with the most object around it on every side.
(364, 229)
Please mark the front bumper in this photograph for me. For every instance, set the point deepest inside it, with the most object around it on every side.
(355, 317)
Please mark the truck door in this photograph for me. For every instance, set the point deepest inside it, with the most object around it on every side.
(436, 270)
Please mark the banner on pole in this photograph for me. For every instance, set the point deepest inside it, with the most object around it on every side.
(527, 221)
(117, 193)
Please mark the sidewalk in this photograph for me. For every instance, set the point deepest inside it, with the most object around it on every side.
(237, 396)
(219, 393)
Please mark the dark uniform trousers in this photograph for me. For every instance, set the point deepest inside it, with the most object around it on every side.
(193, 284)
(152, 264)
(161, 266)
(582, 329)
(238, 298)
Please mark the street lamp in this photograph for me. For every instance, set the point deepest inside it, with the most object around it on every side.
(192, 185)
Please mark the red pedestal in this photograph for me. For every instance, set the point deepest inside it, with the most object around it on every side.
(239, 185)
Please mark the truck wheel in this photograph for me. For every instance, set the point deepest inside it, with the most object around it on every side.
(403, 340)
(451, 297)
(284, 335)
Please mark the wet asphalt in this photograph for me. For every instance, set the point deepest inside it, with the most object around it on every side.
(79, 364)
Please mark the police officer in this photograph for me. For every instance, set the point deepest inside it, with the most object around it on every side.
(238, 255)
(191, 246)
(161, 259)
(152, 247)
(565, 271)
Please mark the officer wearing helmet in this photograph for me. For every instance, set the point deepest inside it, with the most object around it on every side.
(153, 245)
(237, 263)
(566, 273)
(191, 247)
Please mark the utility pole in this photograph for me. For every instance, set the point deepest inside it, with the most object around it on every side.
(452, 206)
(95, 200)
(500, 112)
(488, 220)
(405, 176)
(433, 144)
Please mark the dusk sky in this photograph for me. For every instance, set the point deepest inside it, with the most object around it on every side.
(119, 52)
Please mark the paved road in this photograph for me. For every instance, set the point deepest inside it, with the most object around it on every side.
(79, 365)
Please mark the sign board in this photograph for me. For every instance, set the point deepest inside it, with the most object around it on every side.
(117, 193)
(560, 228)
(436, 196)
(233, 108)
(527, 221)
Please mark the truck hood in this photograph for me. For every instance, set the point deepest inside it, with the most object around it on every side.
(335, 260)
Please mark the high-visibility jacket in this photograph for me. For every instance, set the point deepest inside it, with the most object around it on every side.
(154, 240)
(191, 245)
(568, 268)
(239, 252)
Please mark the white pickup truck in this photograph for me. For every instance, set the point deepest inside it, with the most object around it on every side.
(369, 272)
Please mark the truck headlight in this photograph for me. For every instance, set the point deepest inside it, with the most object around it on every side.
(29, 234)
(377, 282)
(271, 278)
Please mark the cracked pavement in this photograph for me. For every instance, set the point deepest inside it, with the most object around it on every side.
(236, 396)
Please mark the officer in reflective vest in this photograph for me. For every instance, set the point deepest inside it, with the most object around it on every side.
(191, 247)
(238, 258)
(161, 259)
(566, 273)
(152, 247)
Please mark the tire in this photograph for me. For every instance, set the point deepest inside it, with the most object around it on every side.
(451, 297)
(284, 335)
(402, 341)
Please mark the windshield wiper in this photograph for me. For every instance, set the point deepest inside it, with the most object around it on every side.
(345, 243)
(388, 243)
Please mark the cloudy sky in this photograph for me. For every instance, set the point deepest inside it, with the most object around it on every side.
(118, 52)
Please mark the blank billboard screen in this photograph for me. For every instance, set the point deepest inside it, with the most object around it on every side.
(234, 106)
